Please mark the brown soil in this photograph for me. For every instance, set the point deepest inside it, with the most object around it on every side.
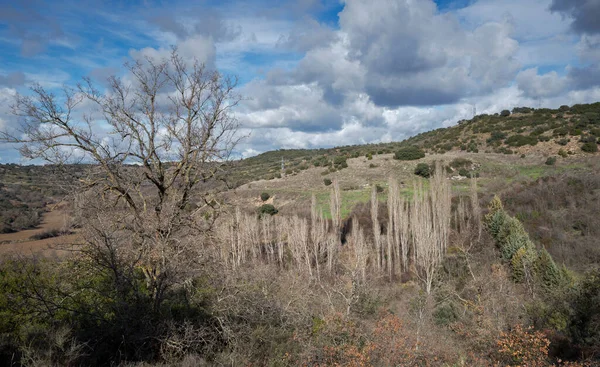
(20, 242)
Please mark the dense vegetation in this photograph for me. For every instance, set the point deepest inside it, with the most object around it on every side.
(434, 278)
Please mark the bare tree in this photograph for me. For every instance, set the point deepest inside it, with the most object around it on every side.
(152, 139)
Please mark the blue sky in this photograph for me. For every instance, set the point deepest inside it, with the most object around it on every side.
(321, 73)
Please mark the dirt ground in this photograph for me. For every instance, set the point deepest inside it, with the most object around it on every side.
(20, 243)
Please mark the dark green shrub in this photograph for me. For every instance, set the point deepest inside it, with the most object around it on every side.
(543, 138)
(589, 147)
(267, 209)
(264, 196)
(564, 108)
(563, 141)
(445, 314)
(561, 131)
(563, 153)
(409, 154)
(423, 170)
(520, 140)
(551, 161)
(584, 324)
(327, 181)
(496, 136)
(379, 188)
(505, 113)
(522, 110)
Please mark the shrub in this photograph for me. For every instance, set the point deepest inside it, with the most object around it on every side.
(523, 347)
(460, 163)
(564, 108)
(587, 139)
(373, 165)
(264, 196)
(423, 170)
(561, 131)
(267, 209)
(520, 140)
(505, 113)
(369, 156)
(327, 181)
(589, 147)
(563, 141)
(563, 153)
(409, 154)
(50, 233)
(496, 136)
(551, 161)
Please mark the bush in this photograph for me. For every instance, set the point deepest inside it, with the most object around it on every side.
(505, 113)
(551, 161)
(409, 154)
(50, 233)
(267, 209)
(520, 140)
(423, 170)
(496, 136)
(589, 147)
(563, 153)
(523, 347)
(460, 163)
(327, 181)
(563, 141)
(264, 196)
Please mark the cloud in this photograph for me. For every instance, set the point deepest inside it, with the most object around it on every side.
(307, 35)
(195, 20)
(536, 86)
(13, 79)
(584, 14)
(414, 55)
(31, 26)
(198, 47)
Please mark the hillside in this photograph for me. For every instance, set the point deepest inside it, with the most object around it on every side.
(568, 130)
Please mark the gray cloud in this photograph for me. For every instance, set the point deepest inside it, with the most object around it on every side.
(586, 77)
(307, 35)
(537, 86)
(585, 14)
(402, 53)
(14, 79)
(26, 22)
(195, 21)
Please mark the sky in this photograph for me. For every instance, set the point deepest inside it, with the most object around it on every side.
(320, 73)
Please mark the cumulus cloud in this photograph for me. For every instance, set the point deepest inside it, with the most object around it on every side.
(536, 86)
(413, 55)
(198, 47)
(584, 13)
(376, 78)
